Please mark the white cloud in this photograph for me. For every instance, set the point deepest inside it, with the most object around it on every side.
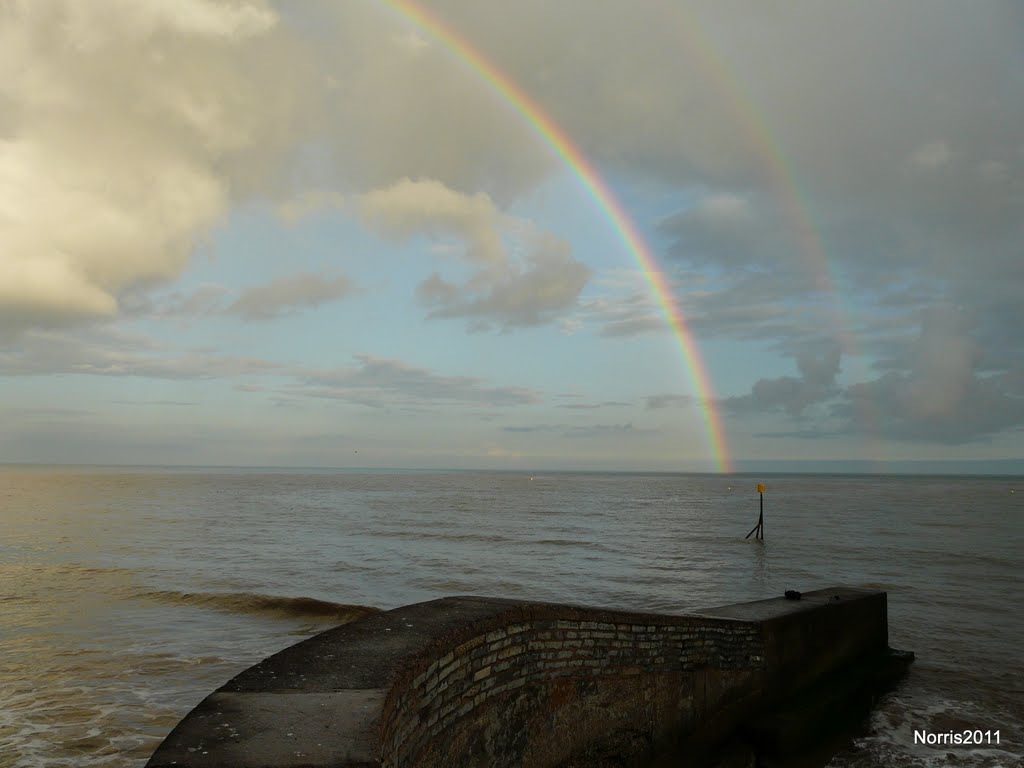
(77, 234)
(427, 207)
(127, 130)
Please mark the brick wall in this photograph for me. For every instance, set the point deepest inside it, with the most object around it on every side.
(560, 680)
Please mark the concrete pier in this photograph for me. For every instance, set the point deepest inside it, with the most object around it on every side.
(471, 681)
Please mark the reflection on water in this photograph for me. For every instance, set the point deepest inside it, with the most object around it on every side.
(127, 596)
(761, 561)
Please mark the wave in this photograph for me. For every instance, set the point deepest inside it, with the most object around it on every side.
(880, 585)
(251, 603)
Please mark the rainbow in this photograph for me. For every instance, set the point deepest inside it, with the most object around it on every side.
(560, 142)
(703, 56)
(759, 137)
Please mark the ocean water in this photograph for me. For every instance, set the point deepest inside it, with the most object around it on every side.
(127, 595)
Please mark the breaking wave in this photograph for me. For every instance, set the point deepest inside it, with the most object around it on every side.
(257, 604)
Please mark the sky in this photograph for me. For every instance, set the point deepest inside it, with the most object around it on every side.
(391, 234)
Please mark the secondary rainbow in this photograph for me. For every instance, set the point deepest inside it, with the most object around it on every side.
(702, 54)
(598, 189)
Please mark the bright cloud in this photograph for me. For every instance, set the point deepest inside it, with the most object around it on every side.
(122, 125)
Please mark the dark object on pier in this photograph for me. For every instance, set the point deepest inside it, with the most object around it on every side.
(792, 594)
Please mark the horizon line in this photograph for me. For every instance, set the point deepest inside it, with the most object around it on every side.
(781, 467)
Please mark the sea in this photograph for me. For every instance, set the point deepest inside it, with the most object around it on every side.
(129, 594)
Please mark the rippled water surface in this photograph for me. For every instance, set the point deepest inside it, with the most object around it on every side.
(127, 595)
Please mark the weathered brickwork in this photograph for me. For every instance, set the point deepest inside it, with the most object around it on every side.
(535, 652)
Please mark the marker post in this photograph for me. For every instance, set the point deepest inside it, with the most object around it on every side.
(759, 528)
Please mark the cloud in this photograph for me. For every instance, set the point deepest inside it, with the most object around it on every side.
(400, 105)
(793, 395)
(512, 294)
(16, 413)
(580, 430)
(308, 203)
(655, 402)
(380, 382)
(799, 198)
(728, 232)
(593, 406)
(127, 131)
(427, 207)
(203, 301)
(372, 381)
(136, 127)
(287, 295)
(156, 402)
(280, 297)
(933, 390)
(106, 352)
(930, 156)
(604, 430)
(622, 314)
(938, 394)
(977, 410)
(504, 289)
(828, 186)
(800, 434)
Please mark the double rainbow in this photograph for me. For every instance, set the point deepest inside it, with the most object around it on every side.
(561, 143)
